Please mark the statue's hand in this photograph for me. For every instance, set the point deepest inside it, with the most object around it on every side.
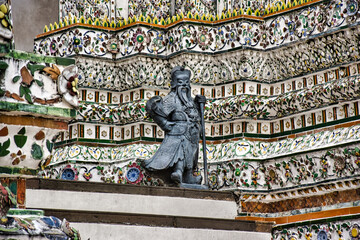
(200, 99)
(168, 126)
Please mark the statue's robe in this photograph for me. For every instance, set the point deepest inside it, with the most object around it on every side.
(181, 142)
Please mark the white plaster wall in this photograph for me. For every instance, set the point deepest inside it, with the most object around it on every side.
(93, 231)
(128, 203)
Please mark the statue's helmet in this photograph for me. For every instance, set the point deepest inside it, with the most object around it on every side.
(178, 71)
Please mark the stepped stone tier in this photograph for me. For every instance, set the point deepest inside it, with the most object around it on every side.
(281, 80)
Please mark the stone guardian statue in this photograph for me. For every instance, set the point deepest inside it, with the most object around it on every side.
(178, 115)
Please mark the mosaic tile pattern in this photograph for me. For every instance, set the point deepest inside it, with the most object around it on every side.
(332, 229)
(244, 164)
(273, 32)
(208, 70)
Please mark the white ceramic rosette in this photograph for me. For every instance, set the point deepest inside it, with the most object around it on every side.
(68, 85)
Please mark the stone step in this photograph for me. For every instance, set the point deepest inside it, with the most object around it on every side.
(107, 211)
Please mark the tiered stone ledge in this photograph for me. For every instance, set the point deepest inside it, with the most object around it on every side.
(156, 210)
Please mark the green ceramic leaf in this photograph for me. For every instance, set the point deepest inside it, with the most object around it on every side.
(6, 144)
(20, 140)
(27, 90)
(3, 153)
(34, 67)
(22, 131)
(15, 79)
(36, 152)
(28, 98)
(49, 145)
(4, 147)
(22, 90)
(39, 83)
(3, 65)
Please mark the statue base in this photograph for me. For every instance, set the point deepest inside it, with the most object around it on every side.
(193, 186)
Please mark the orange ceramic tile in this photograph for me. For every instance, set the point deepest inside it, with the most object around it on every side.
(305, 217)
(31, 121)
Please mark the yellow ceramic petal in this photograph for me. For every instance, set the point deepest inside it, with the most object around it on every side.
(3, 8)
(4, 23)
(2, 15)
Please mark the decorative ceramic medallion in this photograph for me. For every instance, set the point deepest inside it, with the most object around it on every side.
(74, 151)
(69, 173)
(354, 232)
(242, 148)
(264, 147)
(94, 152)
(134, 174)
(141, 153)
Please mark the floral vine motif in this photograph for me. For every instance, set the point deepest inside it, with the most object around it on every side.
(124, 113)
(236, 107)
(295, 171)
(322, 52)
(155, 8)
(330, 230)
(244, 106)
(289, 27)
(109, 174)
(271, 176)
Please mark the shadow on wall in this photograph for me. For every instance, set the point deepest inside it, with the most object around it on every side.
(29, 19)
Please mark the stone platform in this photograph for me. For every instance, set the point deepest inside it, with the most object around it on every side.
(112, 211)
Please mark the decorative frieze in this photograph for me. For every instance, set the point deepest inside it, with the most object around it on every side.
(209, 38)
(251, 69)
(244, 164)
(346, 227)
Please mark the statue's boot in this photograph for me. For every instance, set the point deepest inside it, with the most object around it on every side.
(177, 175)
(190, 178)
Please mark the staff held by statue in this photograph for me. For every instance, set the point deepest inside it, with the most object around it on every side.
(202, 102)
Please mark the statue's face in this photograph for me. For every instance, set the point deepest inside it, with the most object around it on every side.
(182, 80)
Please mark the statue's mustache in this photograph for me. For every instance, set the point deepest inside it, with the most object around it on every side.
(184, 88)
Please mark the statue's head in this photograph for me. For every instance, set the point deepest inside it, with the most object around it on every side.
(180, 77)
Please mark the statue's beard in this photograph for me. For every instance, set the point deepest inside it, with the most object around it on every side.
(184, 95)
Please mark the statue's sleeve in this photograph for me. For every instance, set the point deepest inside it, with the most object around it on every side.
(155, 108)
